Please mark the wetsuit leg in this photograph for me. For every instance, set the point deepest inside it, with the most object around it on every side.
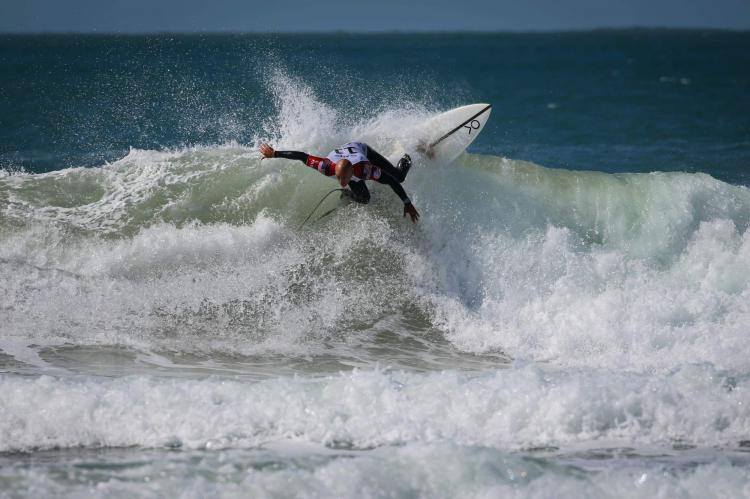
(385, 166)
(360, 192)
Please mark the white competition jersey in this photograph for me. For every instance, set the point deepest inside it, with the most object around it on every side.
(355, 152)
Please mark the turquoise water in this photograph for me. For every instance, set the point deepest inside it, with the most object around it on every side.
(569, 317)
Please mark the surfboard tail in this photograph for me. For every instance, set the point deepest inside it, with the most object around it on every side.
(424, 148)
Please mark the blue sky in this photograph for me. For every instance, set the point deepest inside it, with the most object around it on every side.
(352, 15)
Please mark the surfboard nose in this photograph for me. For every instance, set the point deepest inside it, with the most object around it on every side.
(448, 134)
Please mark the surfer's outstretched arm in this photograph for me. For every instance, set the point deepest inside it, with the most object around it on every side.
(323, 165)
(268, 152)
(302, 156)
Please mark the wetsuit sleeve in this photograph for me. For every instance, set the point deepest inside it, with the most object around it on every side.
(291, 155)
(323, 165)
(396, 186)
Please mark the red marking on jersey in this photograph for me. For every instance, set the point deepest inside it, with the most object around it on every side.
(323, 165)
(362, 170)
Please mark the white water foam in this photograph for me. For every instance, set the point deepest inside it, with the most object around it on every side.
(516, 408)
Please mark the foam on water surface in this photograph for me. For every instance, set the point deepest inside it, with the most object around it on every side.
(434, 470)
(518, 408)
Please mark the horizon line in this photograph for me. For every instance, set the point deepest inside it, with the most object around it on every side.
(377, 32)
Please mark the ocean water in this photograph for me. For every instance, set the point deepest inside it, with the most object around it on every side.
(569, 318)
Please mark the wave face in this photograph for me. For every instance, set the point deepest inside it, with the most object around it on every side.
(200, 250)
(167, 325)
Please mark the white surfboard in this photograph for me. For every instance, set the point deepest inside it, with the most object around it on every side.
(445, 136)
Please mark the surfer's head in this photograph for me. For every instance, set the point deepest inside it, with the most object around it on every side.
(344, 171)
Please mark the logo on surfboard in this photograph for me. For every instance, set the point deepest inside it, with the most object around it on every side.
(474, 125)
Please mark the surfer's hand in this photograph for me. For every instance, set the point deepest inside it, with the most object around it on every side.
(411, 211)
(266, 150)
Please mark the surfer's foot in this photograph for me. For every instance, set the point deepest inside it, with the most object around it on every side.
(345, 193)
(404, 164)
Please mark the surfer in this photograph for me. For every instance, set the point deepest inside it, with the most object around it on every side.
(352, 164)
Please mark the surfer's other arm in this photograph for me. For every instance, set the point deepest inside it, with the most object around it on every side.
(409, 208)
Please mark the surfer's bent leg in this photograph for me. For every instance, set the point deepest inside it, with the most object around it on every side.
(385, 166)
(360, 192)
(390, 175)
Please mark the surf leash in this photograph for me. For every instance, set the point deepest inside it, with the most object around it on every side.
(321, 217)
(316, 207)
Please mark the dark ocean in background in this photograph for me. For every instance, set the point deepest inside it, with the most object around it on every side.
(569, 318)
(614, 101)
